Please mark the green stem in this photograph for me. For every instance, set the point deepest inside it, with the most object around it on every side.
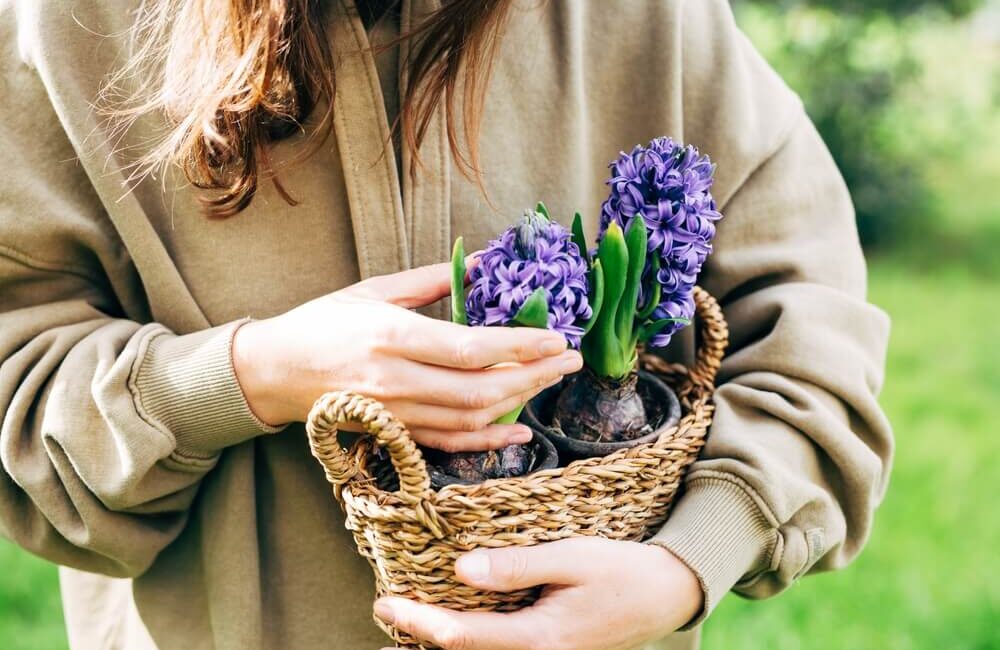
(458, 313)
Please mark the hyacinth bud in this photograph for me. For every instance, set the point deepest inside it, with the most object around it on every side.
(532, 226)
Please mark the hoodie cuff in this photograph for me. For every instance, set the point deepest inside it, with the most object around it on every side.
(719, 531)
(186, 386)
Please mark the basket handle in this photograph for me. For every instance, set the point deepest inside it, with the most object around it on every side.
(714, 339)
(336, 408)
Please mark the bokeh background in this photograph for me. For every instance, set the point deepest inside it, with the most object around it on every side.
(907, 95)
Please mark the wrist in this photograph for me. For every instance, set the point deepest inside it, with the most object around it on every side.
(254, 373)
(687, 592)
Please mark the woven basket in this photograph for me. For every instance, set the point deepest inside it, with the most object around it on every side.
(412, 535)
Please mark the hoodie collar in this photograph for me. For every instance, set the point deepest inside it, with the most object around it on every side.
(396, 224)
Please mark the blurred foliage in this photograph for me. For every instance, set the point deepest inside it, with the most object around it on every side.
(897, 8)
(856, 64)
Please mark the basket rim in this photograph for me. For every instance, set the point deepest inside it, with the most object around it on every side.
(678, 439)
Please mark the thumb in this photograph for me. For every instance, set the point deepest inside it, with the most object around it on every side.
(408, 289)
(564, 562)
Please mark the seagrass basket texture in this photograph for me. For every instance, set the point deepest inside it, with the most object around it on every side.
(412, 535)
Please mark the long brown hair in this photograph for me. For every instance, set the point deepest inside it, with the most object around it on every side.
(234, 76)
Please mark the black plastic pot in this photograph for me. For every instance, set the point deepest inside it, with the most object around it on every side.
(544, 456)
(662, 408)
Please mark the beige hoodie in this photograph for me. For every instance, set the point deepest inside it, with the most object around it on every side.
(128, 449)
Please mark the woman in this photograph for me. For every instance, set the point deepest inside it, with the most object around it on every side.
(162, 336)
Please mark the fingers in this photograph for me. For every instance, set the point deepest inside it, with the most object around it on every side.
(408, 289)
(494, 436)
(564, 562)
(456, 422)
(457, 346)
(472, 261)
(493, 388)
(453, 630)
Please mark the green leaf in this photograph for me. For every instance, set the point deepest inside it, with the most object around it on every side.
(596, 297)
(602, 350)
(510, 417)
(650, 330)
(458, 314)
(535, 310)
(542, 210)
(635, 241)
(654, 299)
(579, 238)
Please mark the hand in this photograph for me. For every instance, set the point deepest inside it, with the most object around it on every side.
(600, 595)
(439, 378)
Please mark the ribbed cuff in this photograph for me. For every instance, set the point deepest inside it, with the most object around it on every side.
(717, 530)
(186, 385)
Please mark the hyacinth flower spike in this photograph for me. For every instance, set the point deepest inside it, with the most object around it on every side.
(533, 313)
(656, 231)
(533, 275)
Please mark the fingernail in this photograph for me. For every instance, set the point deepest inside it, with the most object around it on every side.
(571, 364)
(472, 259)
(521, 436)
(550, 381)
(475, 566)
(384, 611)
(550, 347)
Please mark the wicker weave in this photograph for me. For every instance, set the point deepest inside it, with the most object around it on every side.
(412, 535)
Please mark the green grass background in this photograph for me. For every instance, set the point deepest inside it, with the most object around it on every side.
(930, 577)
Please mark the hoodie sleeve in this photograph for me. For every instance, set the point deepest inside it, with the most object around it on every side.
(107, 422)
(798, 455)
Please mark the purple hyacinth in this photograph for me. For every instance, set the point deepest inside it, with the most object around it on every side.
(670, 186)
(535, 253)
